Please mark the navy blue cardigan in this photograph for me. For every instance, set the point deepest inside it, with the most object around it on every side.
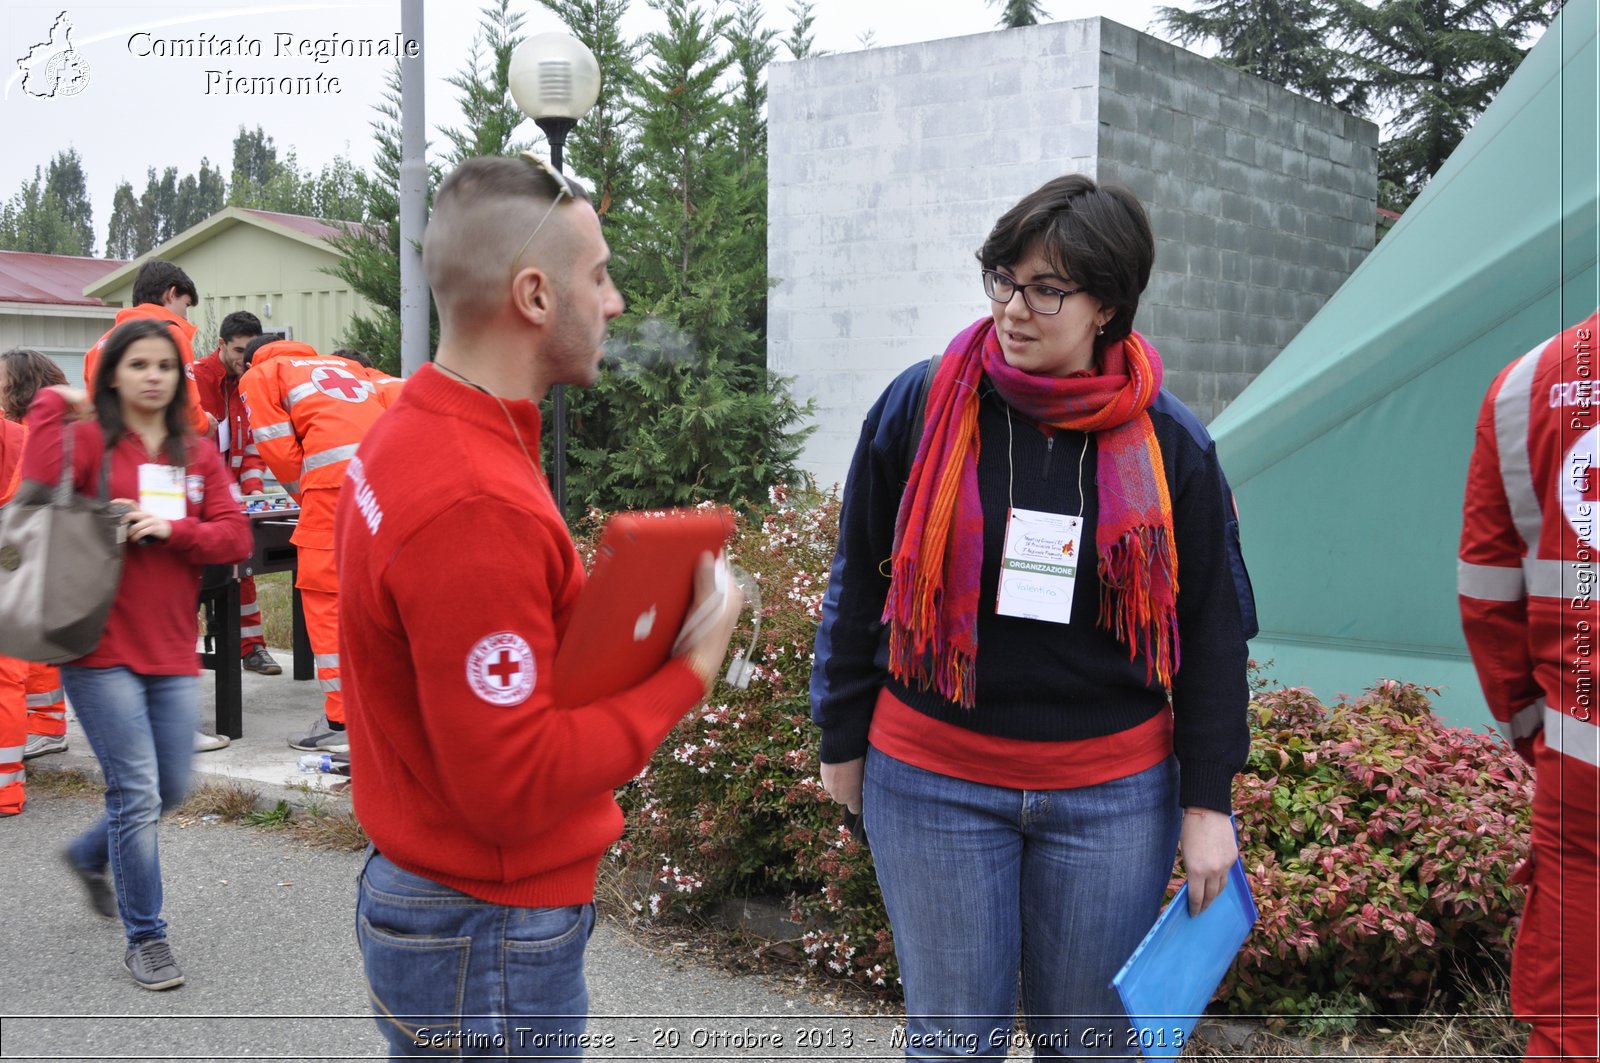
(1042, 681)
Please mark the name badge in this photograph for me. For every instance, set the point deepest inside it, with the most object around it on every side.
(1039, 567)
(161, 492)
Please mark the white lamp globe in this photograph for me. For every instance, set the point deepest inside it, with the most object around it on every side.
(554, 75)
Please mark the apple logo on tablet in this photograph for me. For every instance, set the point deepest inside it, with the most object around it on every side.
(644, 625)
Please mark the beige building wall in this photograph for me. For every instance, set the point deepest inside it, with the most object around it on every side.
(279, 280)
(62, 332)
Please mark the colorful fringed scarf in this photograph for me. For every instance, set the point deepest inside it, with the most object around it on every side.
(932, 608)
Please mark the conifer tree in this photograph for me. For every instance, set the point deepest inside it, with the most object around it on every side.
(65, 180)
(1285, 42)
(34, 220)
(601, 148)
(124, 238)
(1436, 64)
(370, 254)
(691, 413)
(802, 40)
(1015, 13)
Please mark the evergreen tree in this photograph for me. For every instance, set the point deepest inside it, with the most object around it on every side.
(600, 148)
(1281, 41)
(370, 255)
(1436, 64)
(126, 237)
(157, 203)
(255, 164)
(65, 180)
(802, 40)
(1014, 13)
(491, 115)
(197, 197)
(692, 414)
(34, 220)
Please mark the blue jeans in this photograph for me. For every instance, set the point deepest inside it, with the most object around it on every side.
(982, 882)
(452, 976)
(141, 727)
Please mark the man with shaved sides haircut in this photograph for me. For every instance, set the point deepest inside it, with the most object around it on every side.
(488, 803)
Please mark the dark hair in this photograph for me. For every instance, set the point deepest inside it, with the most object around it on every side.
(354, 355)
(1097, 235)
(256, 344)
(26, 371)
(239, 323)
(155, 277)
(108, 404)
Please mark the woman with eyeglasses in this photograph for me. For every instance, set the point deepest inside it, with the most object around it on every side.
(1030, 671)
(136, 694)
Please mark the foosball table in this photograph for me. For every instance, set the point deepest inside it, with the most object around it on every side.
(272, 524)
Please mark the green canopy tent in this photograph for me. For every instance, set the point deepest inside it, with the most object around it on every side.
(1348, 454)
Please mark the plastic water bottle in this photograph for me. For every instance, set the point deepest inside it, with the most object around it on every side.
(312, 763)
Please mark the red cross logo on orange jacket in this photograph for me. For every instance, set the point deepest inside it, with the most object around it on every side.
(340, 384)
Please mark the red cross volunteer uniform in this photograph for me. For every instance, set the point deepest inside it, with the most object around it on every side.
(307, 414)
(1527, 583)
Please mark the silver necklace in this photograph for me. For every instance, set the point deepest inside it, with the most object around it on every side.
(516, 433)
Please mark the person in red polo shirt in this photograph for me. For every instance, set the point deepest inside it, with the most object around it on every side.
(217, 379)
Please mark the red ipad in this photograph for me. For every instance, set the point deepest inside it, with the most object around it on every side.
(638, 594)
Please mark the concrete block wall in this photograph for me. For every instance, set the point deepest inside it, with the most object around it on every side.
(1262, 203)
(888, 167)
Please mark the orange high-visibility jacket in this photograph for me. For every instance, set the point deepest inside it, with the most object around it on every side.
(182, 331)
(12, 438)
(309, 411)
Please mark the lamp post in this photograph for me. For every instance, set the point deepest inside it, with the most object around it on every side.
(555, 81)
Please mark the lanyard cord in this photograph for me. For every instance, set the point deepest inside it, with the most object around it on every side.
(1011, 467)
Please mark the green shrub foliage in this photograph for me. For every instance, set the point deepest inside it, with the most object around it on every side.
(1378, 841)
(1379, 845)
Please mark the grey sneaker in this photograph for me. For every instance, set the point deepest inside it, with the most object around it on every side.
(321, 739)
(260, 661)
(151, 964)
(40, 745)
(97, 884)
(205, 743)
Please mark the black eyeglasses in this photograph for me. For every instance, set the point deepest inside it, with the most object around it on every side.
(1041, 298)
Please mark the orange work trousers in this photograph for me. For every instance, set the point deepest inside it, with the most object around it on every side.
(251, 636)
(47, 702)
(1555, 964)
(319, 586)
(13, 733)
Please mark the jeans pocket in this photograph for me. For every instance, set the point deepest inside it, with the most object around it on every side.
(543, 957)
(417, 982)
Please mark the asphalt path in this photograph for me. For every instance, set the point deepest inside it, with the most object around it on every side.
(263, 927)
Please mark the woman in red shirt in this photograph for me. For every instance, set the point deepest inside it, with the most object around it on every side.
(136, 693)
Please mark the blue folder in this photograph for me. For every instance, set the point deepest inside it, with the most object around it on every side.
(1172, 975)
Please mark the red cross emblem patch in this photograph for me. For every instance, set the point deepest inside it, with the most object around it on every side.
(500, 668)
(340, 384)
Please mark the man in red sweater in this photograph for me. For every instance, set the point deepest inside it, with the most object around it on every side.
(489, 805)
(217, 378)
